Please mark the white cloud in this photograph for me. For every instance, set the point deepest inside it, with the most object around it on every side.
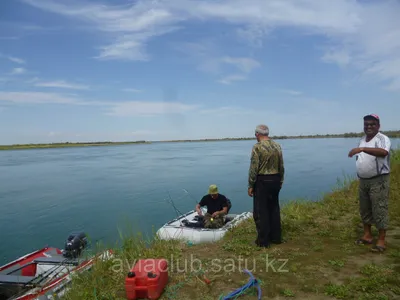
(13, 58)
(130, 90)
(205, 53)
(244, 64)
(131, 46)
(292, 92)
(364, 35)
(394, 85)
(207, 57)
(326, 16)
(8, 37)
(32, 80)
(135, 108)
(120, 108)
(253, 34)
(16, 60)
(340, 57)
(36, 98)
(18, 71)
(129, 27)
(231, 78)
(227, 111)
(61, 84)
(388, 71)
(114, 108)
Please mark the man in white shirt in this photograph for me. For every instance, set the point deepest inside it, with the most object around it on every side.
(373, 168)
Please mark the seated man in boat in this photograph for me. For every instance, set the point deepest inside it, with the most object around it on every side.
(217, 207)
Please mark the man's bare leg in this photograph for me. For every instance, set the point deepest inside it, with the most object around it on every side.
(367, 233)
(381, 239)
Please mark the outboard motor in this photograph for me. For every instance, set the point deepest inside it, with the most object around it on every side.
(74, 245)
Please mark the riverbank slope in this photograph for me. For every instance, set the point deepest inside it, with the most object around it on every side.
(318, 261)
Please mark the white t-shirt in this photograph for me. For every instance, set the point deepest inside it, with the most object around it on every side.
(368, 165)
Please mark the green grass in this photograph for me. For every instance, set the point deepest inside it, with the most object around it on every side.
(319, 259)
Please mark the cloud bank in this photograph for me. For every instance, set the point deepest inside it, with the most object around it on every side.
(359, 34)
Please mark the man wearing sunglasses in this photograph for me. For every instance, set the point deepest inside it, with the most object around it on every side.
(373, 168)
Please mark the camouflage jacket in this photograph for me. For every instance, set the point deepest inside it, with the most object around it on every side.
(266, 158)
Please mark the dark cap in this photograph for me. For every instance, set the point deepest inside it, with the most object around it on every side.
(372, 116)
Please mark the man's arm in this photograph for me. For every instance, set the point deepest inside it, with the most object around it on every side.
(380, 152)
(382, 149)
(223, 211)
(281, 165)
(356, 150)
(224, 208)
(199, 205)
(253, 169)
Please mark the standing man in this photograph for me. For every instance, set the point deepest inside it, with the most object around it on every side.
(266, 174)
(373, 168)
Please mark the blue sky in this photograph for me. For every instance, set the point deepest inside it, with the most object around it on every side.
(158, 69)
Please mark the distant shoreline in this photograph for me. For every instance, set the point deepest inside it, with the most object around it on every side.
(391, 134)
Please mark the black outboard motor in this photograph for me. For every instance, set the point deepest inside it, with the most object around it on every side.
(74, 245)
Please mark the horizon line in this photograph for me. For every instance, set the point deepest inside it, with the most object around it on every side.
(346, 135)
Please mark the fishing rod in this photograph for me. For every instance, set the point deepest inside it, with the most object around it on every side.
(56, 267)
(45, 279)
(191, 196)
(38, 281)
(173, 204)
(59, 269)
(176, 209)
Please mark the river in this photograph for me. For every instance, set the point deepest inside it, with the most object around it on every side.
(47, 193)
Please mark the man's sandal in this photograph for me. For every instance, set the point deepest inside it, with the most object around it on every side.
(363, 242)
(378, 249)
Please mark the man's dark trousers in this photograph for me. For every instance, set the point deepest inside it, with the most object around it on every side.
(266, 212)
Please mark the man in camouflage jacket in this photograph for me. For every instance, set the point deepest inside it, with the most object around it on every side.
(266, 175)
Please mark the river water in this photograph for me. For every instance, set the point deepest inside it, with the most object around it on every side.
(47, 193)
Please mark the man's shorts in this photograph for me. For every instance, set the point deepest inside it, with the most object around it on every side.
(374, 200)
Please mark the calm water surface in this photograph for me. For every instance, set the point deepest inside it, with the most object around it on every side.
(47, 193)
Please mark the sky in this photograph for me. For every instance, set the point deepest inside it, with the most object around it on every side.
(188, 69)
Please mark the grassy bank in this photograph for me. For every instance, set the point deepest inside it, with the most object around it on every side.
(318, 261)
(391, 134)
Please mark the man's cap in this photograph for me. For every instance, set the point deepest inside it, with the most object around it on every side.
(372, 116)
(213, 189)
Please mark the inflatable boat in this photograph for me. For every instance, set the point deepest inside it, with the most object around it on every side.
(46, 273)
(189, 227)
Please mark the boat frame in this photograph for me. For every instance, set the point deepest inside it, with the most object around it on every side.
(188, 227)
(43, 274)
